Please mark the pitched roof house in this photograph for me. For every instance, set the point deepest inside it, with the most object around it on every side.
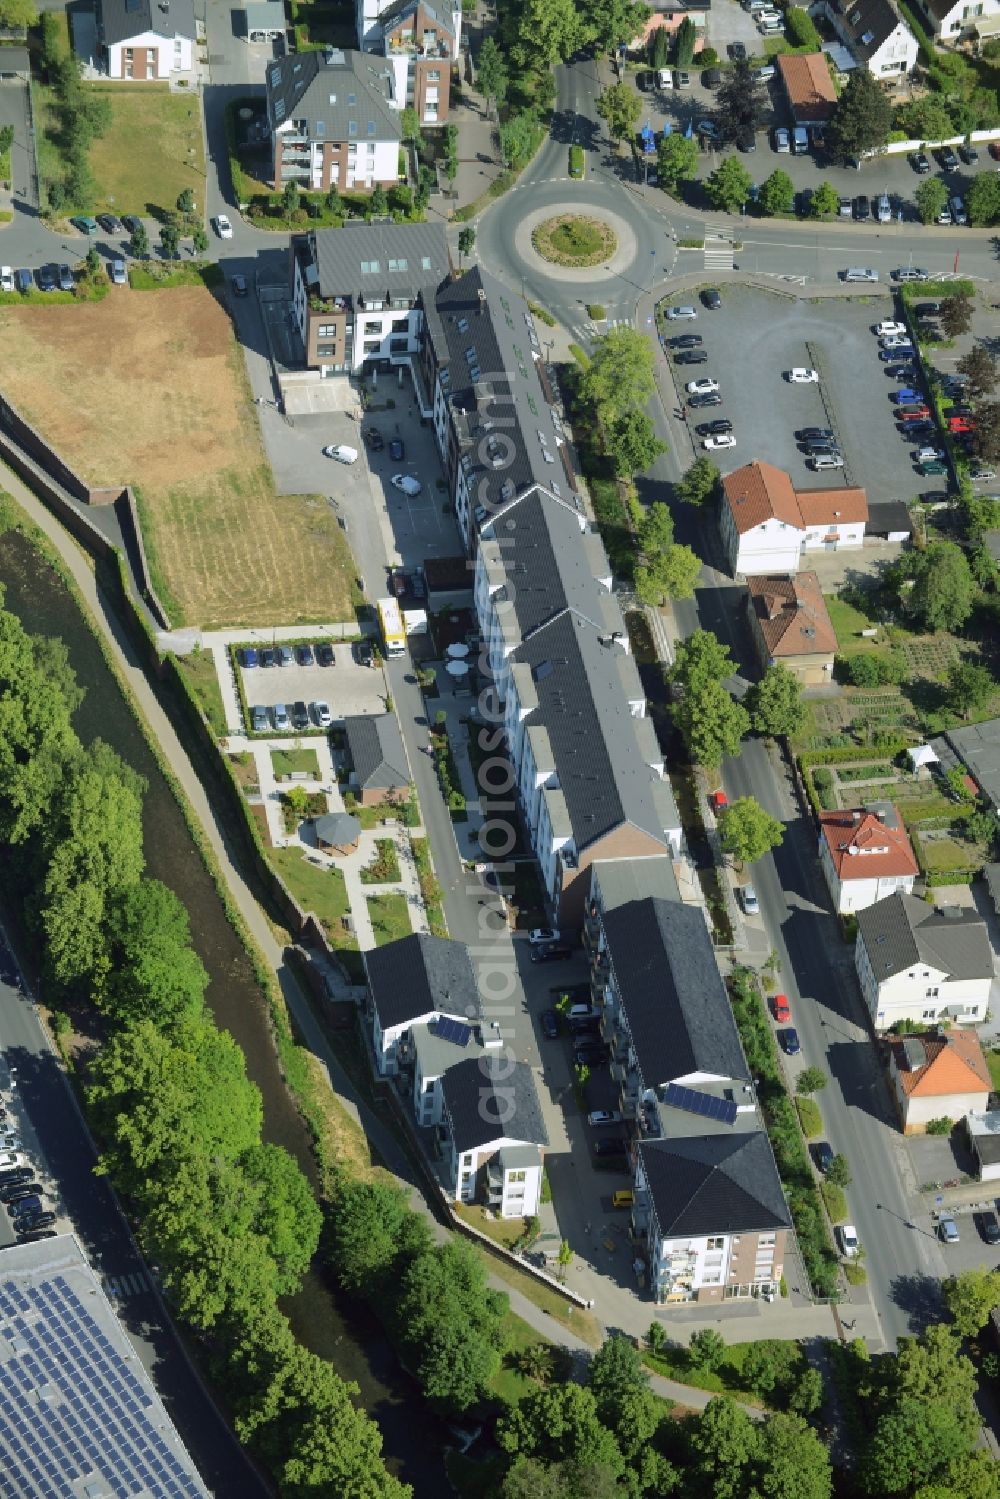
(146, 40)
(923, 963)
(790, 624)
(808, 86)
(953, 21)
(419, 41)
(334, 121)
(876, 36)
(492, 1134)
(767, 524)
(937, 1077)
(418, 979)
(865, 855)
(380, 767)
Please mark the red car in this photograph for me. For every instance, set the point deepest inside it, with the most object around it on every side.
(782, 1012)
(718, 801)
(960, 424)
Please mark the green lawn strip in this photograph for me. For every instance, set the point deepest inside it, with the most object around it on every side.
(203, 679)
(155, 275)
(153, 150)
(390, 917)
(993, 1063)
(321, 891)
(677, 1364)
(288, 762)
(430, 889)
(848, 624)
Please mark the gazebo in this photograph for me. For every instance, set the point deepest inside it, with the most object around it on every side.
(337, 832)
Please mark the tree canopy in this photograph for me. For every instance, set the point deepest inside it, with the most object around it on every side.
(451, 1324)
(747, 832)
(943, 591)
(620, 374)
(619, 106)
(775, 703)
(862, 118)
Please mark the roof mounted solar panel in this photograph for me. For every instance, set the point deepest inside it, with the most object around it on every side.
(706, 1105)
(453, 1030)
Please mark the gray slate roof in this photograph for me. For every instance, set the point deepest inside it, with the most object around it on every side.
(123, 19)
(266, 15)
(410, 258)
(624, 880)
(901, 931)
(337, 828)
(376, 749)
(672, 992)
(722, 1184)
(335, 89)
(876, 19)
(399, 8)
(481, 1112)
(991, 874)
(420, 974)
(978, 745)
(887, 515)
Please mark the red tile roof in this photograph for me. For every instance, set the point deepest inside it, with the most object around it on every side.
(832, 506)
(808, 85)
(791, 615)
(954, 1064)
(866, 848)
(759, 492)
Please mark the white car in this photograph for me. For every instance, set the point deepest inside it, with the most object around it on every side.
(704, 387)
(223, 227)
(929, 455)
(604, 1116)
(888, 328)
(9, 1158)
(341, 453)
(543, 934)
(677, 314)
(782, 141)
(895, 341)
(6, 278)
(406, 483)
(321, 714)
(803, 377)
(721, 440)
(849, 1242)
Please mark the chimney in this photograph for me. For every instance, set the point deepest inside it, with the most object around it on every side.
(856, 816)
(482, 301)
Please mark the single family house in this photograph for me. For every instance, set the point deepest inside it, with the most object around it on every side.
(791, 625)
(937, 1077)
(379, 767)
(865, 855)
(923, 963)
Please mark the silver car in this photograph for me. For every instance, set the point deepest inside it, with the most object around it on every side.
(751, 904)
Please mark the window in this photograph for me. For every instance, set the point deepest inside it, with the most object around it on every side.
(715, 1244)
(766, 1239)
(425, 263)
(352, 100)
(325, 349)
(370, 267)
(434, 75)
(517, 1176)
(327, 330)
(931, 993)
(352, 127)
(929, 1015)
(371, 127)
(352, 150)
(371, 153)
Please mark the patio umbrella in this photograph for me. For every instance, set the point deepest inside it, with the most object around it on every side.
(457, 668)
(457, 650)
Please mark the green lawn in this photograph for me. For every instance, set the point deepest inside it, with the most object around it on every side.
(848, 624)
(675, 1363)
(390, 917)
(993, 1063)
(287, 762)
(199, 671)
(153, 150)
(939, 855)
(319, 890)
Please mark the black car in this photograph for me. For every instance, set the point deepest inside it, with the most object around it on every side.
(711, 298)
(35, 1234)
(714, 429)
(645, 82)
(325, 656)
(374, 439)
(822, 1154)
(816, 434)
(239, 285)
(746, 141)
(692, 356)
(988, 1225)
(14, 1176)
(590, 1056)
(549, 1021)
(396, 450)
(304, 655)
(48, 278)
(968, 153)
(609, 1145)
(737, 51)
(804, 202)
(268, 656)
(862, 208)
(551, 952)
(109, 223)
(686, 341)
(920, 429)
(131, 223)
(948, 159)
(927, 309)
(959, 410)
(11, 1195)
(710, 398)
(585, 1025)
(363, 652)
(299, 715)
(26, 1208)
(920, 163)
(32, 1226)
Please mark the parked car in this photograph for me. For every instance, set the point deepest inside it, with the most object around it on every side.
(686, 341)
(711, 398)
(14, 1176)
(960, 424)
(268, 656)
(304, 655)
(981, 473)
(320, 713)
(325, 655)
(862, 208)
(920, 163)
(947, 158)
(259, 719)
(239, 285)
(782, 1009)
(722, 440)
(677, 314)
(66, 281)
(397, 451)
(721, 425)
(300, 715)
(933, 466)
(32, 1224)
(909, 273)
(541, 934)
(341, 452)
(737, 51)
(782, 141)
(748, 896)
(904, 394)
(890, 329)
(681, 79)
(119, 275)
(110, 224)
(283, 656)
(929, 454)
(554, 953)
(85, 224)
(948, 1229)
(9, 1196)
(600, 1117)
(592, 1055)
(850, 1244)
(406, 484)
(549, 1022)
(281, 720)
(790, 1041)
(37, 1234)
(822, 1154)
(609, 1145)
(24, 281)
(363, 653)
(800, 376)
(418, 583)
(26, 1207)
(223, 227)
(705, 386)
(711, 297)
(816, 434)
(247, 657)
(130, 223)
(929, 309)
(718, 801)
(692, 356)
(988, 1225)
(624, 1198)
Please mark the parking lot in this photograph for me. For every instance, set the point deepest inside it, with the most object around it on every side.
(349, 689)
(755, 339)
(28, 1194)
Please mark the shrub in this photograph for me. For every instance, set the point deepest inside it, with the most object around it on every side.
(708, 57)
(809, 1117)
(939, 1127)
(800, 29)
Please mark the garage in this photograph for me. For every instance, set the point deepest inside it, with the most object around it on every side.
(265, 21)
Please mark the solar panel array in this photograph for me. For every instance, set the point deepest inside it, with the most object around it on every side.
(453, 1030)
(71, 1407)
(705, 1104)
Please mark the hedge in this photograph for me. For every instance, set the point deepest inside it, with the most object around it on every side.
(850, 752)
(810, 1117)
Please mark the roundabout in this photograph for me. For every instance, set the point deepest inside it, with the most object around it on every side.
(560, 243)
(573, 240)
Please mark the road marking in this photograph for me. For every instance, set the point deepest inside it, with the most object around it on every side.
(781, 244)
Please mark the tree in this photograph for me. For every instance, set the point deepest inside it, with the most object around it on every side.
(333, 200)
(987, 435)
(519, 137)
(659, 47)
(722, 1442)
(775, 703)
(800, 29)
(138, 245)
(409, 124)
(674, 575)
(971, 1297)
(286, 1213)
(656, 532)
(980, 370)
(373, 1232)
(18, 13)
(615, 1370)
(982, 200)
(619, 106)
(687, 35)
(378, 203)
(155, 973)
(620, 374)
(825, 201)
(291, 199)
(861, 120)
(839, 1172)
(970, 687)
(699, 660)
(199, 239)
(37, 737)
(712, 725)
(700, 484)
(676, 159)
(943, 592)
(956, 315)
(170, 241)
(631, 443)
(728, 187)
(806, 1395)
(777, 193)
(93, 262)
(930, 1369)
(769, 1365)
(466, 241)
(185, 201)
(611, 24)
(559, 1424)
(741, 104)
(544, 32)
(790, 1459)
(925, 119)
(912, 1445)
(747, 832)
(810, 1080)
(451, 1324)
(707, 1349)
(491, 73)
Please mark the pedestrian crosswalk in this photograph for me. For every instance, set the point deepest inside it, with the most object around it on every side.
(718, 248)
(587, 332)
(119, 1286)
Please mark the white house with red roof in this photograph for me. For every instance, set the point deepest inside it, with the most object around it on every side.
(767, 524)
(865, 855)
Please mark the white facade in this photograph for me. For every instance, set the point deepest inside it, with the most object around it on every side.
(370, 32)
(515, 1188)
(918, 1111)
(847, 534)
(383, 332)
(960, 21)
(920, 993)
(386, 1043)
(896, 56)
(161, 56)
(777, 547)
(856, 893)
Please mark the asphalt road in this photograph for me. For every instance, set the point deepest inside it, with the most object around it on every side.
(88, 1200)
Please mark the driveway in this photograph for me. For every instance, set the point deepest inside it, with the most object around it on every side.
(756, 338)
(14, 111)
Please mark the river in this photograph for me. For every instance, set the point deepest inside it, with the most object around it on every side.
(322, 1317)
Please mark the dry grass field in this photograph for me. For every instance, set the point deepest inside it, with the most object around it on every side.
(148, 389)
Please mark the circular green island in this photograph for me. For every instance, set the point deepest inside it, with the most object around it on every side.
(572, 239)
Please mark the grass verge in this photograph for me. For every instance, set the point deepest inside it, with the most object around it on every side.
(203, 679)
(390, 917)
